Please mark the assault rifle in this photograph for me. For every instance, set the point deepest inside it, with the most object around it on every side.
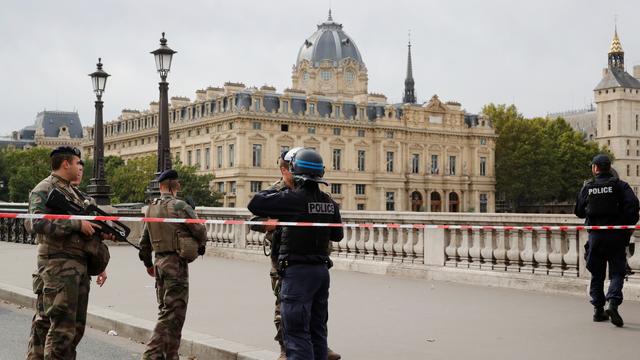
(61, 204)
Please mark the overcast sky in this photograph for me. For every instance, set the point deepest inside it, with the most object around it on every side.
(544, 56)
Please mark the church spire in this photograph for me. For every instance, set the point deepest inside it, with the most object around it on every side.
(409, 91)
(616, 54)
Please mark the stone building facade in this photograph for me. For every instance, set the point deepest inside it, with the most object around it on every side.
(51, 129)
(617, 98)
(378, 156)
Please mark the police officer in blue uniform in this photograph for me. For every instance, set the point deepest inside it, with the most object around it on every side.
(303, 255)
(606, 200)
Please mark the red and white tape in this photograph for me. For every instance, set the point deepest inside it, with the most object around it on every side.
(7, 215)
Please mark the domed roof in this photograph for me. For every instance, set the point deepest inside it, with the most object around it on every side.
(329, 42)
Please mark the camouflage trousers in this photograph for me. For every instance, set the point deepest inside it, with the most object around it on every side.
(172, 290)
(62, 290)
(276, 284)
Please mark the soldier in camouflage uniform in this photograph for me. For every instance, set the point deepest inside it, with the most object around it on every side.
(61, 282)
(170, 270)
(272, 234)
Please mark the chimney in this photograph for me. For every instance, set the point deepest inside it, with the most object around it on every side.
(154, 107)
(636, 71)
(201, 95)
(605, 71)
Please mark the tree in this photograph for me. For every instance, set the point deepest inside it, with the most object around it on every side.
(129, 181)
(197, 187)
(540, 159)
(24, 169)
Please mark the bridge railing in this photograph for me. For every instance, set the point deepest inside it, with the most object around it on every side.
(545, 252)
(558, 253)
(13, 230)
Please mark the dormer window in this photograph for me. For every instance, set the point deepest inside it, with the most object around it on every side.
(325, 75)
(349, 76)
(305, 76)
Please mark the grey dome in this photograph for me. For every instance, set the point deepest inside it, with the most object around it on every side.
(329, 42)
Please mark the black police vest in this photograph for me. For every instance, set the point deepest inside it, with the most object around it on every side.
(603, 201)
(306, 240)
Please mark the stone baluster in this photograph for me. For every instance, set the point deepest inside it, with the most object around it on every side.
(463, 249)
(570, 258)
(360, 242)
(408, 247)
(418, 246)
(219, 233)
(527, 252)
(513, 253)
(487, 251)
(379, 244)
(343, 243)
(475, 249)
(541, 257)
(369, 246)
(352, 251)
(500, 253)
(451, 247)
(634, 260)
(558, 246)
(398, 245)
(388, 243)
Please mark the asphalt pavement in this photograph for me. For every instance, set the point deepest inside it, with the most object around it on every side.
(95, 345)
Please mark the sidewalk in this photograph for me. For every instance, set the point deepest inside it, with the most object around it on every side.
(371, 316)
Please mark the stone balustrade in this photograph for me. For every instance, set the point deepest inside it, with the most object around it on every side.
(552, 253)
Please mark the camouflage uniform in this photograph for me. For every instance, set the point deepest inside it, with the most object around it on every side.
(276, 281)
(171, 272)
(61, 282)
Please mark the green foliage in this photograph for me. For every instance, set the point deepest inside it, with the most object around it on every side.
(129, 181)
(540, 159)
(22, 170)
(197, 187)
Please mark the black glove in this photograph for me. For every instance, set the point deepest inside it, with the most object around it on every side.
(201, 250)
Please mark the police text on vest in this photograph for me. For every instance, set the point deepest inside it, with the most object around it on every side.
(321, 208)
(602, 190)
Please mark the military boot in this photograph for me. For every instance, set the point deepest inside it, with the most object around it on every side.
(613, 313)
(332, 355)
(599, 314)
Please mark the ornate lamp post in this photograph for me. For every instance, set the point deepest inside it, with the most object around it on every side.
(163, 56)
(98, 187)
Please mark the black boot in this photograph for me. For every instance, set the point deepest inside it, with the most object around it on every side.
(613, 313)
(599, 314)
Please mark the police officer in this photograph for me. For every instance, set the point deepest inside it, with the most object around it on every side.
(303, 255)
(606, 200)
(174, 246)
(61, 282)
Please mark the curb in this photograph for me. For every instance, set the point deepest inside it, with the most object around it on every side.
(194, 344)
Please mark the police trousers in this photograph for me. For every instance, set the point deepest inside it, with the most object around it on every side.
(304, 304)
(604, 248)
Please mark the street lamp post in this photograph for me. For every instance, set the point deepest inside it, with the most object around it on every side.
(98, 188)
(163, 56)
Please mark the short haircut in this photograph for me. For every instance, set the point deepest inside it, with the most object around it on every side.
(284, 164)
(58, 159)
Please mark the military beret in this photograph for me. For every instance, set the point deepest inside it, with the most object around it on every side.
(67, 150)
(602, 160)
(168, 175)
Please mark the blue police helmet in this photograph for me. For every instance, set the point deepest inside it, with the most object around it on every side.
(307, 164)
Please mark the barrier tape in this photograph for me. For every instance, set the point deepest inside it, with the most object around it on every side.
(311, 224)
